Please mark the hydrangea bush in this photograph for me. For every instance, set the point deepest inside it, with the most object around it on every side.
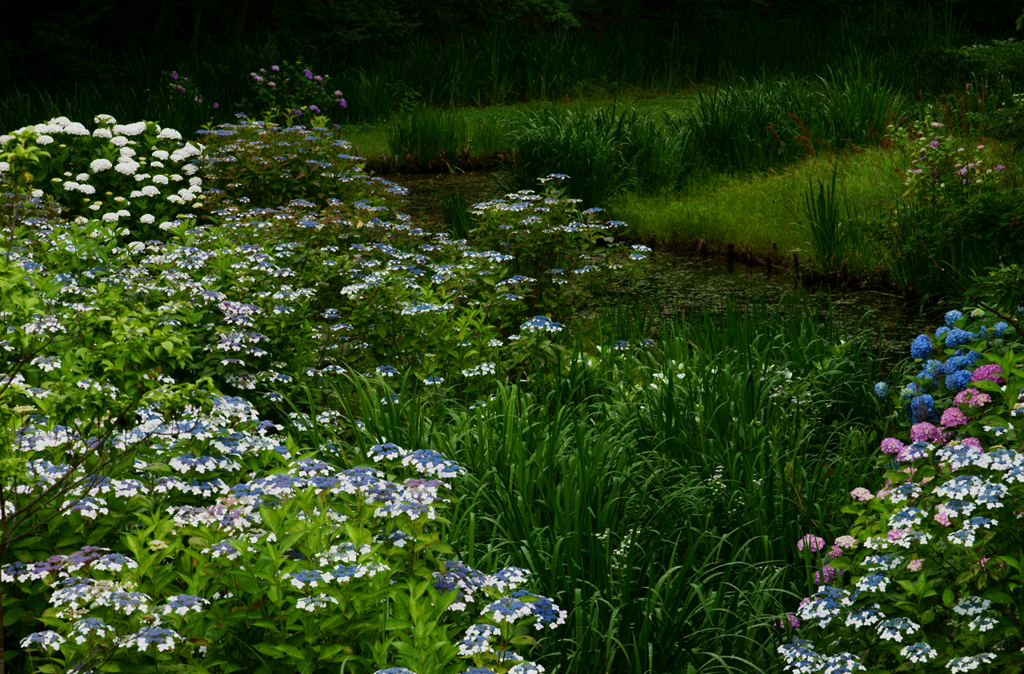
(231, 549)
(555, 243)
(291, 287)
(167, 400)
(943, 169)
(290, 93)
(929, 576)
(139, 175)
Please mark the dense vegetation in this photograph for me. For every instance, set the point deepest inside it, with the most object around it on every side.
(253, 417)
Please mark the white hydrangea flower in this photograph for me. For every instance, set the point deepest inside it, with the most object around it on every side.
(162, 155)
(130, 129)
(127, 166)
(160, 179)
(119, 141)
(82, 177)
(170, 134)
(99, 165)
(102, 133)
(147, 219)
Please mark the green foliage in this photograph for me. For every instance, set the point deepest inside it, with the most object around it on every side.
(958, 214)
(269, 177)
(653, 481)
(1009, 123)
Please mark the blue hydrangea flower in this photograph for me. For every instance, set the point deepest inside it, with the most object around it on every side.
(954, 363)
(958, 337)
(999, 328)
(923, 408)
(959, 380)
(825, 604)
(919, 652)
(921, 347)
(952, 317)
(940, 332)
(881, 388)
(48, 639)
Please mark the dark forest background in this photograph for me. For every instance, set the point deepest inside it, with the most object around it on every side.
(61, 42)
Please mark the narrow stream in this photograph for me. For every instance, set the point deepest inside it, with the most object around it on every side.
(677, 283)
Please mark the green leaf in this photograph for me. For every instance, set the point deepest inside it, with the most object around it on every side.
(269, 649)
(1009, 561)
(948, 598)
(12, 616)
(328, 651)
(292, 651)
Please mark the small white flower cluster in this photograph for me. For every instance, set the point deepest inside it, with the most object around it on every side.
(480, 370)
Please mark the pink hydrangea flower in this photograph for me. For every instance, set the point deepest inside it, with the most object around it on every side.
(846, 542)
(915, 564)
(790, 619)
(834, 551)
(952, 417)
(925, 431)
(942, 518)
(973, 442)
(891, 446)
(862, 494)
(972, 397)
(896, 534)
(814, 543)
(826, 575)
(989, 372)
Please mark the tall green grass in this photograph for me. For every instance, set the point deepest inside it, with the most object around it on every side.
(771, 123)
(834, 239)
(455, 207)
(604, 151)
(658, 492)
(427, 134)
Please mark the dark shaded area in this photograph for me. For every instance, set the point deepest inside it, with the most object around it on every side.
(66, 43)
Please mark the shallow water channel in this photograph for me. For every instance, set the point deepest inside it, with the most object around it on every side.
(680, 283)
